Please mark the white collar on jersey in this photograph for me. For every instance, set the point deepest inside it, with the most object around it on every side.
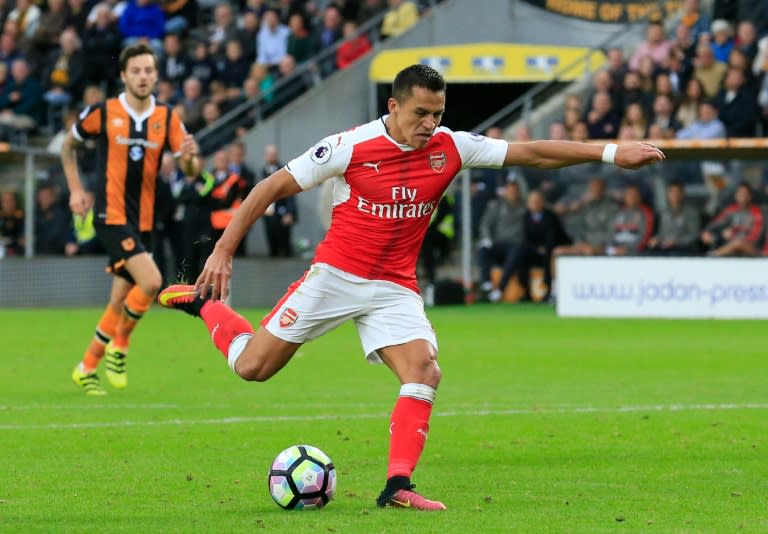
(401, 146)
(138, 120)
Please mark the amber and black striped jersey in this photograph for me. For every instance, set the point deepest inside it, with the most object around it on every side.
(129, 148)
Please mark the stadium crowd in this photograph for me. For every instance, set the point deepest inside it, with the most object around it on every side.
(706, 78)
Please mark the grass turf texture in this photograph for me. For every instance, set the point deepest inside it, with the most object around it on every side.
(541, 425)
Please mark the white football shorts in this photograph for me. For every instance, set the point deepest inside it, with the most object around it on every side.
(385, 313)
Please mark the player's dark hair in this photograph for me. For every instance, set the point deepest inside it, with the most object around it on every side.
(132, 51)
(416, 76)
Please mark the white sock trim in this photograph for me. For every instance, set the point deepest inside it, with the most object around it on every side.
(418, 391)
(236, 348)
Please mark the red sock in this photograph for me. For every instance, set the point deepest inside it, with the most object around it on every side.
(224, 324)
(408, 428)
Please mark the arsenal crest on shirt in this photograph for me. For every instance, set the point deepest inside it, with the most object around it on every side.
(437, 161)
(288, 317)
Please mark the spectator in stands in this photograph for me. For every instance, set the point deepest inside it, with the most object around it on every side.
(52, 222)
(706, 126)
(27, 17)
(327, 34)
(174, 65)
(746, 39)
(602, 120)
(180, 15)
(679, 226)
(82, 239)
(688, 109)
(143, 20)
(722, 40)
(663, 86)
(501, 234)
(401, 16)
(101, 45)
(708, 71)
(165, 92)
(602, 81)
(484, 184)
(679, 70)
(594, 214)
(279, 218)
(21, 103)
(666, 125)
(202, 66)
(3, 76)
(656, 46)
(737, 230)
(272, 40)
(737, 107)
(299, 41)
(739, 60)
(353, 48)
(11, 225)
(287, 8)
(248, 34)
(211, 113)
(115, 7)
(46, 37)
(64, 77)
(192, 100)
(617, 65)
(290, 91)
(633, 92)
(762, 100)
(9, 51)
(632, 225)
(235, 67)
(222, 29)
(5, 8)
(685, 42)
(755, 11)
(370, 9)
(579, 132)
(694, 19)
(438, 242)
(237, 164)
(635, 119)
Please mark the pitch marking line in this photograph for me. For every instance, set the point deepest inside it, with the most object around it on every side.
(472, 413)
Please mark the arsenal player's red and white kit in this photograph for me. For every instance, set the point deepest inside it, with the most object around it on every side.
(384, 194)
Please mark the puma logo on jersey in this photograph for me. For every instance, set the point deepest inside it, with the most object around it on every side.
(374, 166)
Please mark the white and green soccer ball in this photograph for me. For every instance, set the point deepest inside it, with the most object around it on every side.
(302, 477)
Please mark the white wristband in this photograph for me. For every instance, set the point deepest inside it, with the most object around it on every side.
(609, 152)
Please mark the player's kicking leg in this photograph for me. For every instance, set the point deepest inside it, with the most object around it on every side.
(415, 364)
(255, 356)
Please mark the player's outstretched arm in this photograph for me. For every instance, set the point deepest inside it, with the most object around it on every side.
(218, 267)
(556, 154)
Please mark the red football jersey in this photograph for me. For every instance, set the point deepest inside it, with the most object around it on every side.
(384, 194)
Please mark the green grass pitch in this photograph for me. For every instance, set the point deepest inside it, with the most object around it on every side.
(541, 425)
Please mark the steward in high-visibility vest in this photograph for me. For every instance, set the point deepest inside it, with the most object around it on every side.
(226, 197)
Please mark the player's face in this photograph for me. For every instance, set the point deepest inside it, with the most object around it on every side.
(140, 76)
(416, 117)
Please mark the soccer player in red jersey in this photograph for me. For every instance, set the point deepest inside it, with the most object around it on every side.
(388, 177)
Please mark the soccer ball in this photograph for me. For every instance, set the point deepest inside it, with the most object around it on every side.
(302, 477)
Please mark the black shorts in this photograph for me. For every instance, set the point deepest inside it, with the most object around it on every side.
(121, 243)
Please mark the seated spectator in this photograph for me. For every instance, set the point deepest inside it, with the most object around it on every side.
(370, 9)
(632, 92)
(211, 113)
(736, 105)
(438, 241)
(737, 230)
(174, 65)
(27, 17)
(542, 232)
(299, 41)
(602, 120)
(11, 225)
(101, 45)
(248, 35)
(746, 39)
(592, 232)
(64, 76)
(708, 71)
(617, 65)
(401, 16)
(688, 110)
(143, 20)
(290, 91)
(722, 40)
(602, 81)
(325, 36)
(635, 119)
(663, 119)
(21, 103)
(483, 187)
(234, 68)
(353, 48)
(679, 226)
(9, 50)
(706, 126)
(3, 76)
(52, 221)
(77, 15)
(501, 234)
(46, 37)
(192, 100)
(202, 66)
(165, 92)
(222, 29)
(180, 15)
(738, 60)
(273, 39)
(694, 19)
(656, 46)
(632, 225)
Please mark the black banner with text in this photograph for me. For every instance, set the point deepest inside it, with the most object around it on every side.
(612, 11)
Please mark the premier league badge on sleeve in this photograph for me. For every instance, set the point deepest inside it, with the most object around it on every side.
(437, 161)
(320, 153)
